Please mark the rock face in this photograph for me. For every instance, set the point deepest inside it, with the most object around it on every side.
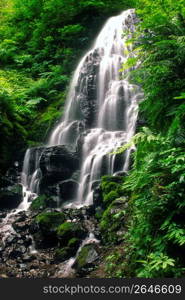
(67, 190)
(57, 163)
(11, 196)
(88, 88)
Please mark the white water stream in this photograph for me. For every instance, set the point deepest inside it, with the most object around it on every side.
(101, 110)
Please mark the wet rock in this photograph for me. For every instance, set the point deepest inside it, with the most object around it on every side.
(88, 97)
(3, 215)
(23, 267)
(64, 254)
(28, 258)
(48, 224)
(86, 258)
(21, 217)
(57, 163)
(97, 196)
(11, 196)
(120, 173)
(44, 201)
(69, 230)
(17, 252)
(20, 226)
(67, 190)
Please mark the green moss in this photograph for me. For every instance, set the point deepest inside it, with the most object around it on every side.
(82, 257)
(17, 189)
(49, 221)
(68, 230)
(66, 227)
(108, 198)
(98, 214)
(42, 202)
(112, 221)
(74, 242)
(111, 187)
(88, 255)
(62, 254)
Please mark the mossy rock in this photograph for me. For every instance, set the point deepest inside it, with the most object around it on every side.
(109, 179)
(112, 188)
(107, 187)
(74, 243)
(69, 230)
(49, 221)
(110, 197)
(42, 202)
(113, 221)
(86, 257)
(98, 213)
(64, 254)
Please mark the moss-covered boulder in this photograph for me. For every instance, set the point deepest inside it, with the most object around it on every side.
(64, 254)
(42, 202)
(110, 197)
(47, 224)
(69, 230)
(70, 250)
(112, 224)
(111, 188)
(49, 221)
(86, 258)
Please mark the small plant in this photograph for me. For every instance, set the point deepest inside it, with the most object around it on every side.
(156, 265)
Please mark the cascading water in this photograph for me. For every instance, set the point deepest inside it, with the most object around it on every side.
(100, 116)
(101, 112)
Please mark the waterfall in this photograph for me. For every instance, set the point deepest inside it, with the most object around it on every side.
(100, 113)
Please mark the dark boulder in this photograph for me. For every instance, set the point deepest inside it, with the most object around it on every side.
(46, 225)
(64, 254)
(67, 190)
(57, 163)
(97, 193)
(11, 196)
(69, 230)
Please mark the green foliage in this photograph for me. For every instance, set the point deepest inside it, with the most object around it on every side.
(156, 226)
(110, 197)
(156, 265)
(160, 46)
(155, 185)
(114, 263)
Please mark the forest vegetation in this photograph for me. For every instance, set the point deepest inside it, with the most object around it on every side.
(41, 42)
